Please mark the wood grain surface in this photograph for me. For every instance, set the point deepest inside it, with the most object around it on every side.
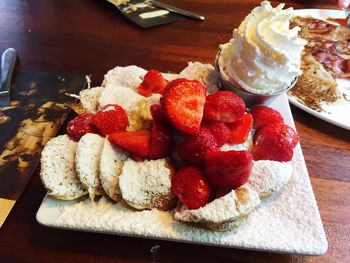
(91, 36)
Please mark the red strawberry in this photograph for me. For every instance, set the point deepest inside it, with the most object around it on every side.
(240, 129)
(274, 142)
(229, 169)
(193, 149)
(137, 158)
(263, 115)
(220, 131)
(110, 118)
(224, 106)
(81, 125)
(222, 192)
(191, 187)
(153, 82)
(161, 141)
(183, 103)
(158, 114)
(136, 142)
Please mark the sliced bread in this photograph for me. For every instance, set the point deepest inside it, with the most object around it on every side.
(58, 169)
(268, 177)
(111, 163)
(89, 98)
(123, 96)
(224, 213)
(129, 76)
(87, 160)
(147, 184)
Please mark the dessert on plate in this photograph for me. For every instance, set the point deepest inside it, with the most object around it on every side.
(176, 143)
(161, 141)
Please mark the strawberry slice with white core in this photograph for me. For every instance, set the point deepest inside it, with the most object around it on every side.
(183, 103)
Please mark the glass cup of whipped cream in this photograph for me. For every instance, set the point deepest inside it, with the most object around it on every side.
(262, 59)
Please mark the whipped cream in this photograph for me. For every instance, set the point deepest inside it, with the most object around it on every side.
(263, 56)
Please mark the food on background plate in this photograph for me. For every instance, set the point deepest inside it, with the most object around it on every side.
(188, 148)
(324, 60)
(263, 56)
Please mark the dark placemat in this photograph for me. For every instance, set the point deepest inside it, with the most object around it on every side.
(37, 111)
(138, 10)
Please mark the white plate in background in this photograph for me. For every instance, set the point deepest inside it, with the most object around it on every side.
(337, 113)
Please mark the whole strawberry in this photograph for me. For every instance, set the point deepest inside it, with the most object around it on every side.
(193, 149)
(264, 115)
(220, 131)
(81, 125)
(228, 170)
(110, 118)
(223, 106)
(191, 187)
(161, 141)
(274, 142)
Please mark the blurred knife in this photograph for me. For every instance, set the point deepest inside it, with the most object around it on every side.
(177, 10)
(8, 61)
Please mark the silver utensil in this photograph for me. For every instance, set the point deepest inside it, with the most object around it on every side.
(8, 61)
(177, 10)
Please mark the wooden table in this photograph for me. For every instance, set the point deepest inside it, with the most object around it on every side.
(91, 36)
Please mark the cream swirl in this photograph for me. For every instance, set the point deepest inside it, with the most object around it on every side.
(263, 55)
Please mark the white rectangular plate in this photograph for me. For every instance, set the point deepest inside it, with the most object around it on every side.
(333, 113)
(288, 222)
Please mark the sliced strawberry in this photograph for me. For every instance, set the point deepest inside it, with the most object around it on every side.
(224, 106)
(263, 115)
(161, 141)
(183, 103)
(176, 82)
(158, 114)
(274, 142)
(153, 82)
(137, 158)
(240, 129)
(228, 170)
(191, 187)
(220, 131)
(110, 118)
(81, 125)
(193, 149)
(136, 142)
